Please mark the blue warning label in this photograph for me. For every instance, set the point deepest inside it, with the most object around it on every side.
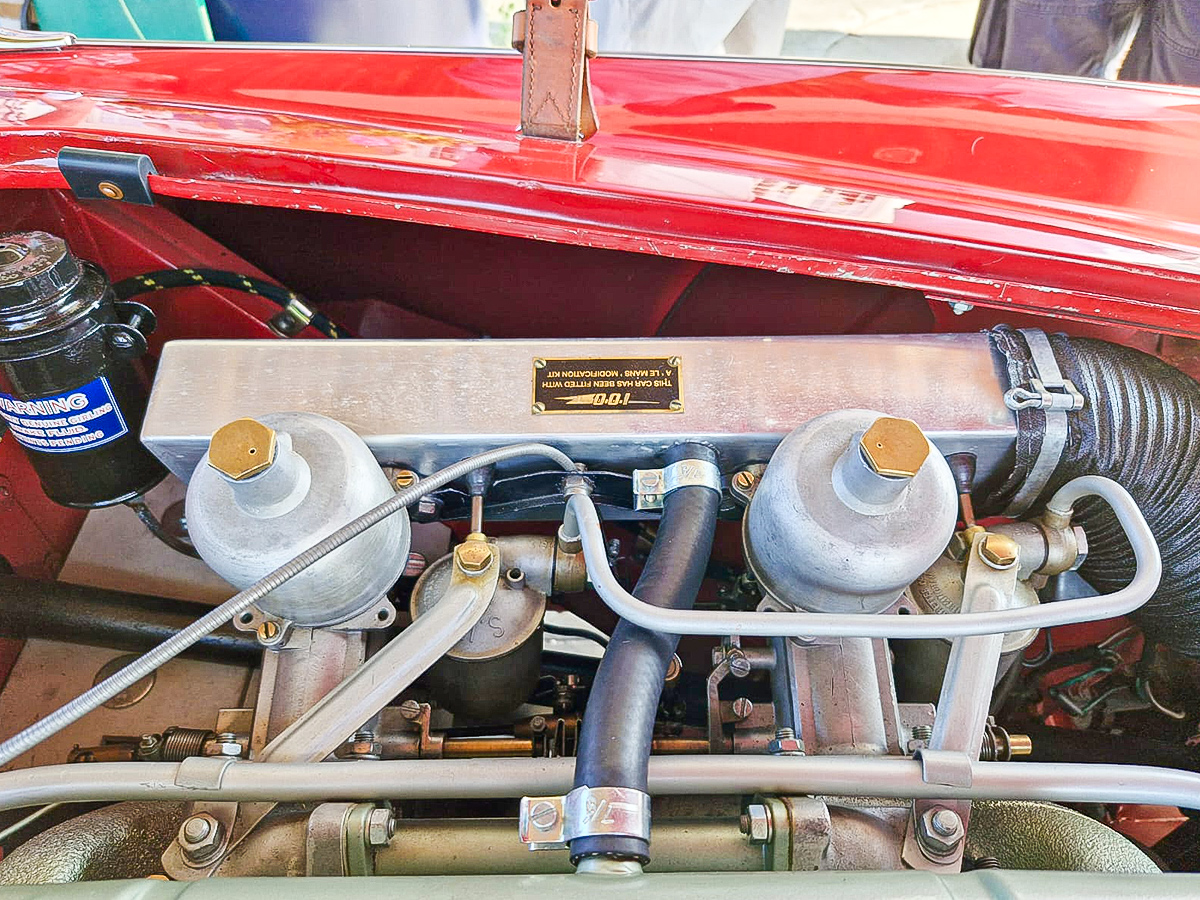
(86, 417)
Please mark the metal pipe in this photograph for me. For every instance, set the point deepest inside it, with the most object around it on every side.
(949, 625)
(97, 617)
(491, 847)
(172, 647)
(486, 747)
(469, 779)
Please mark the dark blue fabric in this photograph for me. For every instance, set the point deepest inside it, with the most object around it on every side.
(1081, 37)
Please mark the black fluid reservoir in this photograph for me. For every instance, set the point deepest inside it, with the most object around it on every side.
(70, 392)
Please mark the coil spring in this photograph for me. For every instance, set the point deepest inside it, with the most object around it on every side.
(985, 862)
(180, 743)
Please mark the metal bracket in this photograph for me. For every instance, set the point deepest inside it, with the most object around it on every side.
(107, 174)
(651, 486)
(1055, 395)
(557, 38)
(951, 768)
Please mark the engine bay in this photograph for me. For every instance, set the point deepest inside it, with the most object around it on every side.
(776, 573)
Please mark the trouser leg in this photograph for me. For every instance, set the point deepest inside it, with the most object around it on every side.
(1166, 48)
(1063, 37)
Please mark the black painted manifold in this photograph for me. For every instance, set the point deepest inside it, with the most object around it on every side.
(1140, 426)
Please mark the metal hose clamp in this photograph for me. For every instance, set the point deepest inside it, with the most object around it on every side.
(551, 823)
(650, 486)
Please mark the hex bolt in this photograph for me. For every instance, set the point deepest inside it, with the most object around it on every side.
(474, 556)
(148, 743)
(945, 822)
(544, 815)
(756, 823)
(200, 837)
(196, 829)
(381, 825)
(940, 832)
(999, 551)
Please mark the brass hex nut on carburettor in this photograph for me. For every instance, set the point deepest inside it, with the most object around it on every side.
(474, 555)
(242, 449)
(895, 447)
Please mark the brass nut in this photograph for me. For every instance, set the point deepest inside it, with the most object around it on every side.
(474, 556)
(895, 447)
(999, 551)
(242, 449)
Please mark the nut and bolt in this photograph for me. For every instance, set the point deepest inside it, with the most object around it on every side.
(200, 837)
(739, 664)
(742, 707)
(148, 744)
(474, 556)
(537, 724)
(411, 710)
(224, 744)
(756, 823)
(362, 746)
(940, 831)
(999, 551)
(381, 825)
(920, 737)
(544, 815)
(785, 743)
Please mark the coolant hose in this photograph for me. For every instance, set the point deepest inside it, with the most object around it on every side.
(614, 744)
(1139, 426)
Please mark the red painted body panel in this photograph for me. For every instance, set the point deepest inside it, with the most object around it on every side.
(1072, 198)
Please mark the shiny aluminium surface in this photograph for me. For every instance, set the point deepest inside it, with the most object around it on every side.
(427, 403)
(1017, 192)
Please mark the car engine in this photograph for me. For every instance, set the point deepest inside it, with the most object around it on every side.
(613, 605)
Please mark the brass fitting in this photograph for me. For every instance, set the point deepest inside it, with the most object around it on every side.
(242, 449)
(474, 555)
(896, 448)
(999, 550)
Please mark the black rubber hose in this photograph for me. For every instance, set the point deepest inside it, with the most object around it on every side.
(1140, 426)
(78, 614)
(618, 723)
